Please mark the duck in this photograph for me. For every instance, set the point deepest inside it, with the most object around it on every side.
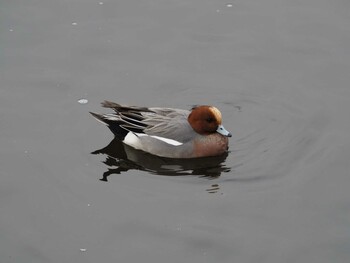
(168, 132)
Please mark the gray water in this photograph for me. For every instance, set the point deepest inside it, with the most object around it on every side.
(278, 71)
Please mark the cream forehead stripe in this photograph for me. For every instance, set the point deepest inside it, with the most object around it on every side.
(216, 113)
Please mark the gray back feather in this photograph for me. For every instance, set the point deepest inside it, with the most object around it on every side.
(171, 123)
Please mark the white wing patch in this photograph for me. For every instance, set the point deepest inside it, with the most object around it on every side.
(168, 141)
(132, 139)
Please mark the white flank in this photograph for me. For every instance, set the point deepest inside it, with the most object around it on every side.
(132, 140)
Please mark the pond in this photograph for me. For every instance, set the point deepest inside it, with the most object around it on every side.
(278, 72)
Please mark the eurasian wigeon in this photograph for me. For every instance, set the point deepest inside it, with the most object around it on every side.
(168, 132)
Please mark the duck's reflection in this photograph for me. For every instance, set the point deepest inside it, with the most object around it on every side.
(121, 158)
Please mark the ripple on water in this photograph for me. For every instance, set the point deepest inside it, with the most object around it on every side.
(271, 140)
(274, 139)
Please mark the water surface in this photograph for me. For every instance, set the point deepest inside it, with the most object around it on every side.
(278, 71)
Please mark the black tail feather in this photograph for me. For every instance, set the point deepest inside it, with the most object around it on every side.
(114, 126)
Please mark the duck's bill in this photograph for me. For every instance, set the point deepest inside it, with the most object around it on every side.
(223, 131)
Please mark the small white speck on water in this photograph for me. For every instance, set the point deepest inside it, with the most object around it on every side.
(83, 249)
(11, 30)
(229, 5)
(100, 3)
(83, 101)
(74, 23)
(26, 151)
(88, 205)
(217, 10)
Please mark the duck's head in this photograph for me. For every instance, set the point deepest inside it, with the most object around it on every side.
(206, 120)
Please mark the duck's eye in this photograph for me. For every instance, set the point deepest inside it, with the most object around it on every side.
(210, 120)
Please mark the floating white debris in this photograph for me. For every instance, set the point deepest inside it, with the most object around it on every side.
(74, 23)
(83, 249)
(229, 5)
(88, 205)
(11, 30)
(83, 101)
(100, 3)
